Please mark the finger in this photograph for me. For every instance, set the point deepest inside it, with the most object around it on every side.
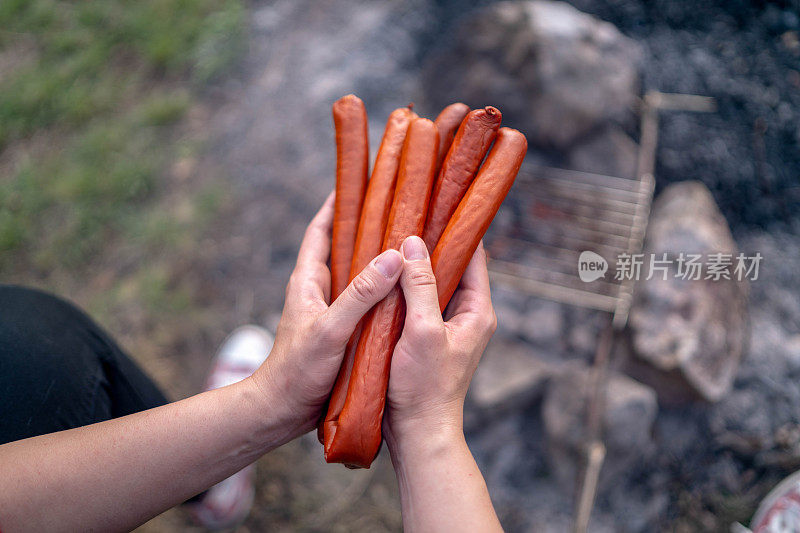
(316, 245)
(476, 276)
(369, 287)
(473, 296)
(311, 273)
(419, 284)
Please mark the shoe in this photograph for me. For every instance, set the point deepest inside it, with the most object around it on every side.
(239, 356)
(228, 503)
(779, 511)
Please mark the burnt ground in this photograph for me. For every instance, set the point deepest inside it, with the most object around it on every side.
(743, 53)
(273, 139)
(746, 55)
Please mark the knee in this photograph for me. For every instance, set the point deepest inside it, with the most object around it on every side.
(49, 373)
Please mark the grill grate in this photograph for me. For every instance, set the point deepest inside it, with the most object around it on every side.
(561, 213)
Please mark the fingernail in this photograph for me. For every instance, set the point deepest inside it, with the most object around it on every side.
(388, 263)
(414, 249)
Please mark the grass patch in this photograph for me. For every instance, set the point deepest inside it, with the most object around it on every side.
(164, 109)
(105, 83)
(90, 54)
(91, 130)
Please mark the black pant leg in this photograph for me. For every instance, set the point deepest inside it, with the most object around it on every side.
(59, 370)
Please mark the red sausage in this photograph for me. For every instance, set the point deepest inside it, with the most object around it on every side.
(447, 123)
(371, 228)
(474, 137)
(352, 161)
(356, 438)
(380, 190)
(476, 211)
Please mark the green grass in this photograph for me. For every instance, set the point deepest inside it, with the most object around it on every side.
(90, 55)
(101, 84)
(91, 126)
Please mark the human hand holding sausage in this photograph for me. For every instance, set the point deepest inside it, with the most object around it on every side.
(435, 359)
(116, 474)
(355, 438)
(441, 487)
(311, 336)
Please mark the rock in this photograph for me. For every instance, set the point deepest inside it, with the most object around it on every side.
(543, 322)
(583, 338)
(609, 151)
(557, 72)
(582, 332)
(628, 415)
(510, 376)
(510, 316)
(688, 336)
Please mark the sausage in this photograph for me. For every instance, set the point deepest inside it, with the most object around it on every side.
(369, 239)
(447, 123)
(356, 438)
(476, 211)
(327, 425)
(380, 190)
(474, 137)
(414, 183)
(352, 162)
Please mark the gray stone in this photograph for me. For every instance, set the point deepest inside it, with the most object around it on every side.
(583, 338)
(688, 336)
(583, 330)
(629, 412)
(543, 322)
(510, 318)
(609, 151)
(510, 375)
(558, 72)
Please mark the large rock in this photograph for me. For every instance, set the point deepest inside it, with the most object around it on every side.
(511, 375)
(687, 336)
(629, 412)
(543, 322)
(608, 151)
(556, 72)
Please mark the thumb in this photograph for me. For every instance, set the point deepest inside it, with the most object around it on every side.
(368, 288)
(419, 284)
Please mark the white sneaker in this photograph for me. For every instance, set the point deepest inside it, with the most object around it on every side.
(239, 356)
(228, 503)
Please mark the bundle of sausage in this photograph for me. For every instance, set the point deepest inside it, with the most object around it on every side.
(427, 180)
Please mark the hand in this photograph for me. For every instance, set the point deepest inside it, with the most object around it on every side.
(441, 487)
(311, 337)
(435, 359)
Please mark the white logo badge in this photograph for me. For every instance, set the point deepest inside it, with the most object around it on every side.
(591, 266)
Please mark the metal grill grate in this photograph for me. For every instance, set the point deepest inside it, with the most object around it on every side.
(561, 213)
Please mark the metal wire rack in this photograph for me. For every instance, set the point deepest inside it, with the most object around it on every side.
(565, 213)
